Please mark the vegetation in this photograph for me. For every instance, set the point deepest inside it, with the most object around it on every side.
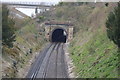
(106, 4)
(8, 28)
(96, 58)
(41, 18)
(113, 25)
(71, 3)
(93, 54)
(28, 42)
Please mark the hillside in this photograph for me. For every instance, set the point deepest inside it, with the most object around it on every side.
(29, 41)
(19, 17)
(93, 54)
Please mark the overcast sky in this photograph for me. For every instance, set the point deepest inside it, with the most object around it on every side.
(29, 12)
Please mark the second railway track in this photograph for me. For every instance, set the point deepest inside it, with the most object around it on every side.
(50, 63)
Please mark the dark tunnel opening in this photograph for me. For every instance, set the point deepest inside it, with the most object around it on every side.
(59, 35)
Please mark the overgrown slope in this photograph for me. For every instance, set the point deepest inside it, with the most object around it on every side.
(96, 57)
(93, 54)
(29, 40)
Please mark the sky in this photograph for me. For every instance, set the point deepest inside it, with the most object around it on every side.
(28, 11)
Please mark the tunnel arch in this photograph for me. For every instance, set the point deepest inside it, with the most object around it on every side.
(58, 35)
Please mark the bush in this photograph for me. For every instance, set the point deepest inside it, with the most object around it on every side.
(8, 28)
(113, 26)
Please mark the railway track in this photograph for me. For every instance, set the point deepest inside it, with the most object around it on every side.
(50, 63)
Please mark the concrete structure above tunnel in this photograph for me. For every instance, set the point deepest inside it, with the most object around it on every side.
(59, 31)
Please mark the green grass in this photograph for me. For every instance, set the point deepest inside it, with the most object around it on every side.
(96, 58)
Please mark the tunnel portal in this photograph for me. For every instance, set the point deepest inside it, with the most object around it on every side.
(59, 35)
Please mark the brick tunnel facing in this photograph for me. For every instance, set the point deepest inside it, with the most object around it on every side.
(59, 35)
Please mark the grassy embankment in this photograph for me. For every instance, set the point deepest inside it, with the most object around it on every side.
(93, 54)
(97, 57)
(28, 42)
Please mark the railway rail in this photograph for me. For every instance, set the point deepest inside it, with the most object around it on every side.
(50, 63)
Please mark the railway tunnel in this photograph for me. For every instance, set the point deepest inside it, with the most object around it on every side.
(58, 31)
(59, 35)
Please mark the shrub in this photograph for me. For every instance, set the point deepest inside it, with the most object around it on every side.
(8, 28)
(113, 26)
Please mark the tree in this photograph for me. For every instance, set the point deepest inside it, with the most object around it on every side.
(41, 18)
(113, 26)
(106, 4)
(8, 28)
(60, 3)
